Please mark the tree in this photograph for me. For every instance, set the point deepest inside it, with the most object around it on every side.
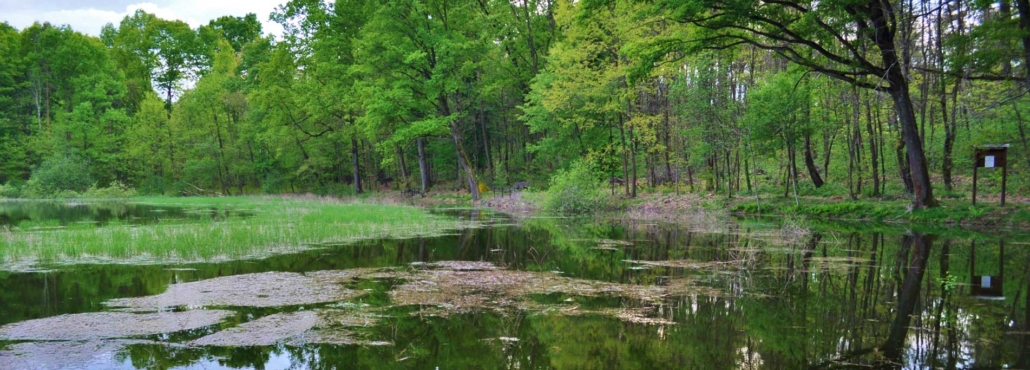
(433, 50)
(853, 41)
(238, 31)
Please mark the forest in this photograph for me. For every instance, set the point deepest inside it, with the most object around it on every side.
(855, 99)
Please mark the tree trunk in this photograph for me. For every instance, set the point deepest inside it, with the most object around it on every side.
(633, 163)
(922, 190)
(356, 163)
(810, 163)
(1022, 134)
(903, 168)
(950, 128)
(463, 161)
(873, 151)
(1023, 6)
(884, 35)
(423, 169)
(625, 165)
(404, 169)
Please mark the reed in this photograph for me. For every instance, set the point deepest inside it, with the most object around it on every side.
(276, 225)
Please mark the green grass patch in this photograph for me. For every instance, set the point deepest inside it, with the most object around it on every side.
(275, 225)
(950, 211)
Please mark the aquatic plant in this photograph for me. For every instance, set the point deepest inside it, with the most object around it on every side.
(278, 225)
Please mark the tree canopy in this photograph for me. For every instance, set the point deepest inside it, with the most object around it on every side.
(876, 97)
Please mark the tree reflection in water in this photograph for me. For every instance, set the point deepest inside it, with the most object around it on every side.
(825, 299)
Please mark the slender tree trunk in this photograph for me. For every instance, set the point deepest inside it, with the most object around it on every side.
(221, 158)
(1023, 6)
(464, 162)
(404, 168)
(810, 163)
(486, 139)
(356, 163)
(1022, 134)
(625, 164)
(851, 158)
(423, 169)
(950, 128)
(873, 151)
(633, 163)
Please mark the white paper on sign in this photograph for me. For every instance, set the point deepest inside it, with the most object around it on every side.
(989, 161)
(985, 281)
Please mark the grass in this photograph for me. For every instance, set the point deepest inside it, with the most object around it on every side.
(277, 225)
(950, 211)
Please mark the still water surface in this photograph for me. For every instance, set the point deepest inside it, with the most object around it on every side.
(759, 296)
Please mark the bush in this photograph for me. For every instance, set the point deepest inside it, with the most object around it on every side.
(9, 191)
(116, 190)
(59, 174)
(575, 191)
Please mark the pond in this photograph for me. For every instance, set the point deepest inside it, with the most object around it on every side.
(545, 293)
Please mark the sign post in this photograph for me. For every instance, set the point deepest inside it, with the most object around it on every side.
(991, 156)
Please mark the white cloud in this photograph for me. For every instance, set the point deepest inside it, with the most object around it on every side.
(193, 12)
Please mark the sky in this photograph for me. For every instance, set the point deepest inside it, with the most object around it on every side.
(89, 16)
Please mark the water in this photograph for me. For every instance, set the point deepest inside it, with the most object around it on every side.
(53, 214)
(758, 297)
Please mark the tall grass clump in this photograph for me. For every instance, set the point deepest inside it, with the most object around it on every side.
(575, 190)
(274, 225)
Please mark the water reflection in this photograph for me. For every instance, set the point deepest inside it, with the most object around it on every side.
(819, 299)
(47, 214)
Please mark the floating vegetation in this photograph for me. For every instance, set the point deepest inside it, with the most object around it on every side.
(459, 265)
(265, 331)
(270, 289)
(452, 291)
(107, 325)
(691, 264)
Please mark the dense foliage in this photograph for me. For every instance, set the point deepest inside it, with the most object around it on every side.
(876, 97)
(576, 190)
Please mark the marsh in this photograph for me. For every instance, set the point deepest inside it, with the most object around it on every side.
(474, 289)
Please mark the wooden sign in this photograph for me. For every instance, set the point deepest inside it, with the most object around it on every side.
(991, 156)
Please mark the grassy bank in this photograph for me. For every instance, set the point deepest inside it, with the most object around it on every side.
(950, 211)
(272, 225)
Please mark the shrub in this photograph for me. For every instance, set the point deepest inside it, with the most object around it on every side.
(575, 191)
(501, 180)
(115, 190)
(9, 191)
(59, 174)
